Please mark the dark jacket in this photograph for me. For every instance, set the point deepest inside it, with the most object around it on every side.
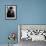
(9, 14)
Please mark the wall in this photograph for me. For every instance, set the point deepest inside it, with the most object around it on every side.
(28, 12)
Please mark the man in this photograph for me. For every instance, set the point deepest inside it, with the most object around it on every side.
(10, 12)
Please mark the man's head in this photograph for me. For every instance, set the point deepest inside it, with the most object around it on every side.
(10, 8)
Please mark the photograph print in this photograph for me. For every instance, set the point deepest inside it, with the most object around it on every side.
(10, 12)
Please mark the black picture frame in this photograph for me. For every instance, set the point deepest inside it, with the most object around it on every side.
(14, 9)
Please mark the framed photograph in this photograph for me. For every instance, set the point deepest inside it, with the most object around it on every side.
(10, 12)
(33, 32)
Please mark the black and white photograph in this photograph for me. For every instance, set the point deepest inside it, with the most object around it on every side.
(29, 34)
(10, 12)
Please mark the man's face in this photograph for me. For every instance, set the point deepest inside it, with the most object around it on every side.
(11, 9)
